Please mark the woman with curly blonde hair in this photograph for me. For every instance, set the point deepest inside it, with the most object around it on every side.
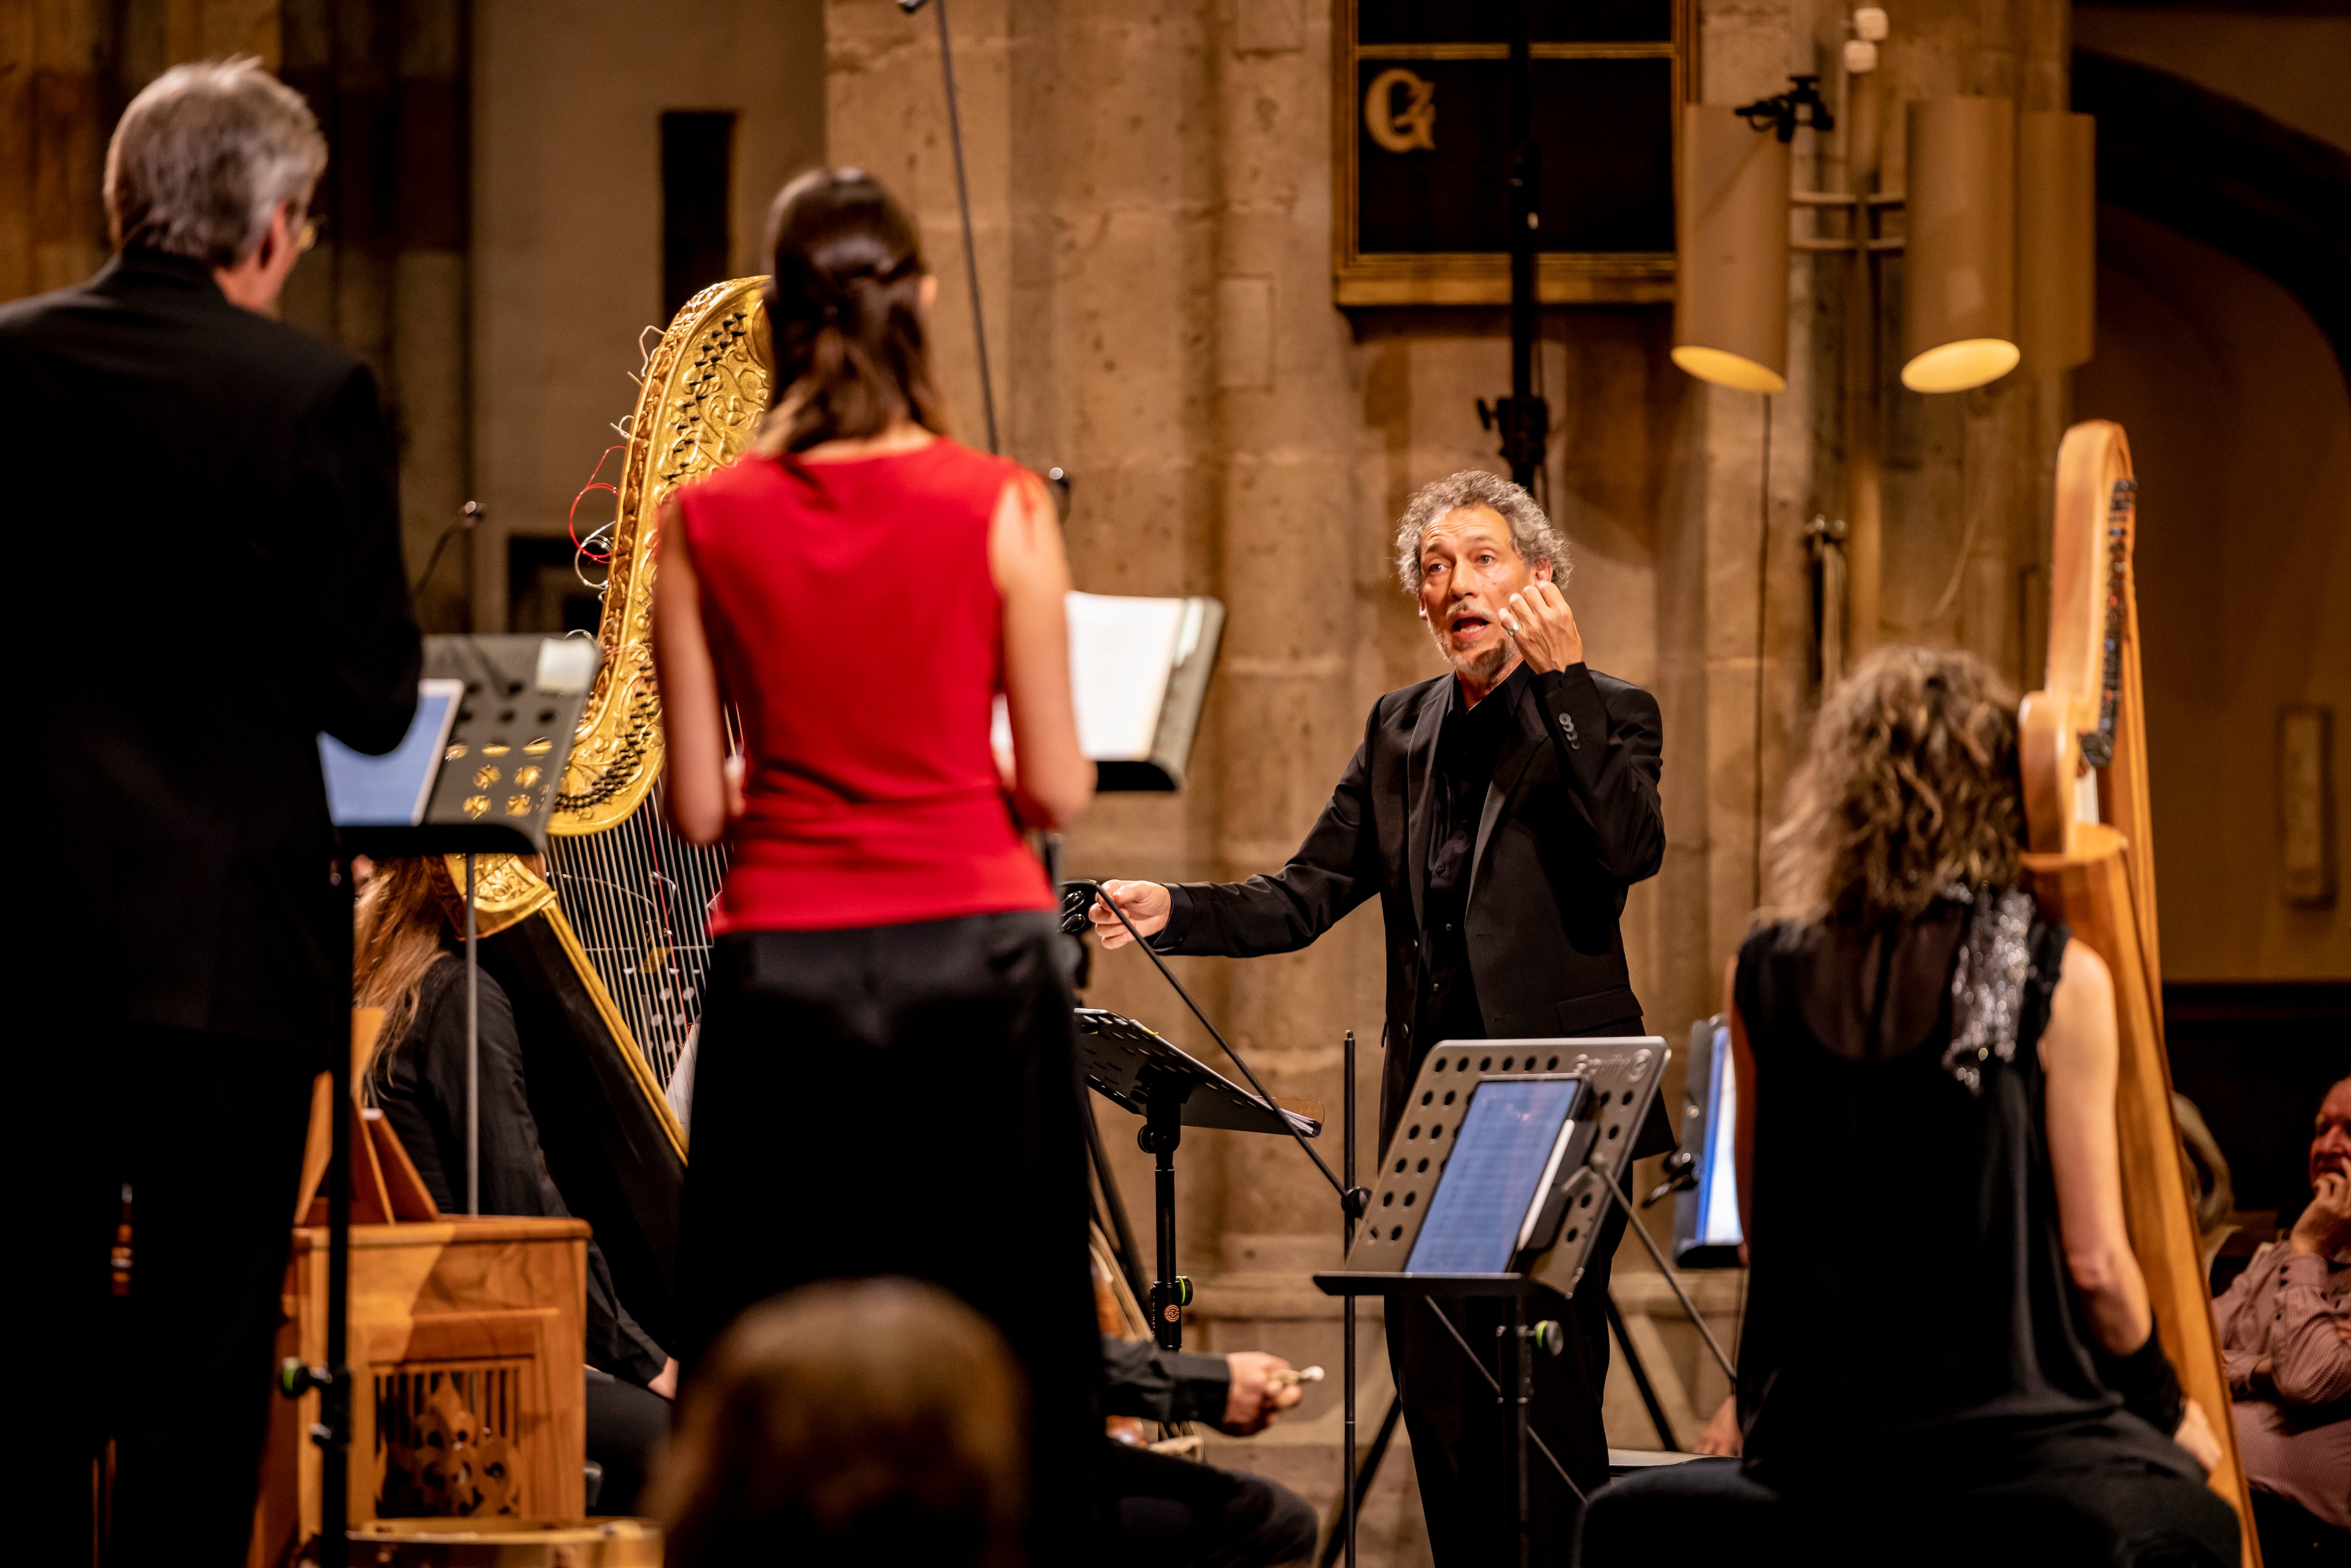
(1948, 1355)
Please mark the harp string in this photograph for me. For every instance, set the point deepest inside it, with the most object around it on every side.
(640, 898)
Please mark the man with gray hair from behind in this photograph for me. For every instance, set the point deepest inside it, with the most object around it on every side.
(210, 543)
(1500, 812)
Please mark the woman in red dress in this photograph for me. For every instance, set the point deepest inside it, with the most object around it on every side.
(887, 1080)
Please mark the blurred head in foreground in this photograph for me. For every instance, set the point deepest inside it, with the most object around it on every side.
(856, 1421)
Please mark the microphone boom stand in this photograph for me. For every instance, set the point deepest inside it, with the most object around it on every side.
(1353, 1200)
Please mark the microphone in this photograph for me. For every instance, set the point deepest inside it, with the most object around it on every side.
(1078, 897)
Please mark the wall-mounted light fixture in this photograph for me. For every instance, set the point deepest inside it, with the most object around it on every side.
(1730, 296)
(1959, 295)
(1730, 306)
(2056, 239)
(1998, 271)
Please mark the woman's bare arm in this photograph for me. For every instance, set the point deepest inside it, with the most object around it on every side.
(2079, 1055)
(693, 727)
(1052, 780)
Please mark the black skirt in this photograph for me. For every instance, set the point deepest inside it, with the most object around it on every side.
(905, 1100)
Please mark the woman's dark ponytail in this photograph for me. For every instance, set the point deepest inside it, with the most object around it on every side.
(845, 313)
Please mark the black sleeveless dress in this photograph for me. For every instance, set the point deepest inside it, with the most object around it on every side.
(1915, 1381)
(1910, 1310)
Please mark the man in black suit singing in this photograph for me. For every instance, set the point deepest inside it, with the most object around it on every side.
(209, 574)
(1498, 812)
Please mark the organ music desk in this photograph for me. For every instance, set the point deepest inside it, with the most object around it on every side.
(468, 1341)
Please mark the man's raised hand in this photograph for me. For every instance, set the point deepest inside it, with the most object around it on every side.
(1540, 621)
(2325, 1226)
(1145, 905)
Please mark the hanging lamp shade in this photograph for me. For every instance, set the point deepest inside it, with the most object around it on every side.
(2056, 239)
(1958, 306)
(1730, 300)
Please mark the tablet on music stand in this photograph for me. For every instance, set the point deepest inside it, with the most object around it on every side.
(391, 790)
(1706, 1217)
(1503, 1163)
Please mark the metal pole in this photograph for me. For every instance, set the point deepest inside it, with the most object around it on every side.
(1347, 1311)
(1518, 1386)
(1526, 430)
(1865, 540)
(333, 1432)
(1641, 1378)
(472, 1049)
(963, 197)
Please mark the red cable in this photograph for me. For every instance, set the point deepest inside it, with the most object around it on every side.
(571, 519)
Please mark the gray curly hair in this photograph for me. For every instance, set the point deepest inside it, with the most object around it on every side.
(1532, 533)
(205, 154)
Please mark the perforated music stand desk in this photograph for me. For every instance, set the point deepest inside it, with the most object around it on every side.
(493, 785)
(1129, 1064)
(1558, 1218)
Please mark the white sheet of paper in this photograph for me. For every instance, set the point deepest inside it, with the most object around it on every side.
(1120, 650)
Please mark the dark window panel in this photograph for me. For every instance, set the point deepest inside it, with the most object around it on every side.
(1607, 134)
(697, 181)
(1489, 22)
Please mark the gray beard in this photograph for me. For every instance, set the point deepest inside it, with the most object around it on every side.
(1482, 667)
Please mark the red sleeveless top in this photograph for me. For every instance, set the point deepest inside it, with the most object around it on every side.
(857, 629)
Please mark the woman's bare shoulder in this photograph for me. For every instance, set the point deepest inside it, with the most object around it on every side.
(2082, 969)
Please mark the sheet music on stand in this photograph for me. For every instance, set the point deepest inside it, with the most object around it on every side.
(1128, 1063)
(1138, 675)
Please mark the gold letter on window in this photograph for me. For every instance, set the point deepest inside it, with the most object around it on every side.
(1416, 125)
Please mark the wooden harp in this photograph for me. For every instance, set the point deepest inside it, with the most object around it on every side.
(2083, 738)
(603, 948)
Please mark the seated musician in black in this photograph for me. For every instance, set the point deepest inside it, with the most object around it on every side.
(406, 963)
(1948, 1355)
(1169, 1512)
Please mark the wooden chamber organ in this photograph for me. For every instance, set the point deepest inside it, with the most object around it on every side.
(2083, 743)
(467, 1337)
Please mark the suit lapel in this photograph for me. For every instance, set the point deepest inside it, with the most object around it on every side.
(1420, 766)
(1519, 748)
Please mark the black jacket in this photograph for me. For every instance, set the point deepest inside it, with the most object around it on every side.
(1570, 821)
(1165, 1386)
(423, 1092)
(207, 561)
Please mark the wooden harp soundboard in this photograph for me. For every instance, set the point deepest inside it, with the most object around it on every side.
(2083, 743)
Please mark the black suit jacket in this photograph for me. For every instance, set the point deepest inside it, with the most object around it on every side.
(1570, 821)
(207, 559)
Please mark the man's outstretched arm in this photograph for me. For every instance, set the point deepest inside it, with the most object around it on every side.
(1337, 868)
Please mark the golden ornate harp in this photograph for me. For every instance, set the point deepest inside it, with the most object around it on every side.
(603, 950)
(2084, 741)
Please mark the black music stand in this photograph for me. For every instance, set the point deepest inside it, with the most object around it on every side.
(1599, 1093)
(490, 790)
(1132, 1066)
